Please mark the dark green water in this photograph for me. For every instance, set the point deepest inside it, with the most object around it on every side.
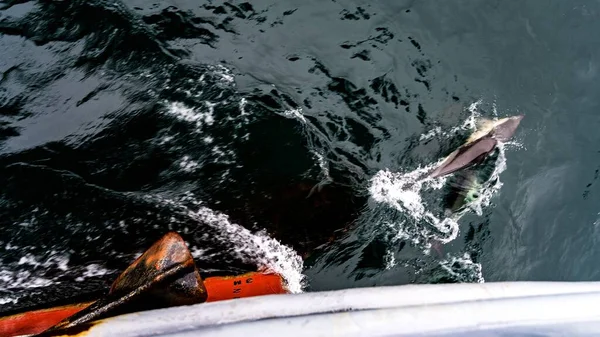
(122, 120)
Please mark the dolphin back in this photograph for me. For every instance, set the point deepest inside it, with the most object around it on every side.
(474, 151)
(506, 130)
(465, 156)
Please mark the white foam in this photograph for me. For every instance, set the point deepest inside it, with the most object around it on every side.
(492, 185)
(92, 270)
(6, 300)
(403, 192)
(209, 117)
(188, 165)
(60, 261)
(470, 123)
(432, 133)
(223, 157)
(28, 259)
(255, 248)
(322, 164)
(242, 106)
(463, 268)
(198, 116)
(223, 73)
(25, 274)
(390, 260)
(21, 279)
(31, 271)
(295, 114)
(198, 252)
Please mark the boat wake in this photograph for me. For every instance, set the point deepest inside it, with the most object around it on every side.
(39, 272)
(259, 248)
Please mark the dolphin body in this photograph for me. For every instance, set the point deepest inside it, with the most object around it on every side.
(464, 189)
(466, 186)
(478, 146)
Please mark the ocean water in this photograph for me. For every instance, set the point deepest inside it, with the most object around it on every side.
(293, 135)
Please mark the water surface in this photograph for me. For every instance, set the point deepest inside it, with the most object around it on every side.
(264, 132)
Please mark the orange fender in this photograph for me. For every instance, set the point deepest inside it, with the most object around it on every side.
(246, 285)
(34, 322)
(219, 288)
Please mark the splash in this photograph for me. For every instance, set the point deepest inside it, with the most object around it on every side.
(474, 114)
(492, 185)
(31, 272)
(402, 191)
(21, 279)
(7, 300)
(256, 248)
(93, 270)
(463, 269)
(470, 123)
(60, 261)
(432, 133)
(323, 165)
(422, 224)
(390, 260)
(24, 274)
(188, 165)
(198, 116)
(223, 74)
(295, 114)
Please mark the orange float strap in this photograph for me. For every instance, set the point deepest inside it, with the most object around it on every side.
(163, 276)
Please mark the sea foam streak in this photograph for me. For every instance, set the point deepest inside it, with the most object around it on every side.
(32, 272)
(402, 191)
(258, 248)
(255, 248)
(463, 269)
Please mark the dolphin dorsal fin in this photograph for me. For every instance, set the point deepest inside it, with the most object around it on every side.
(483, 127)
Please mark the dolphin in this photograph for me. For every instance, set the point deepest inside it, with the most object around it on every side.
(465, 186)
(464, 189)
(481, 143)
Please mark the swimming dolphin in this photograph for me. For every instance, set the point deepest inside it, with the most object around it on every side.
(465, 186)
(478, 146)
(464, 189)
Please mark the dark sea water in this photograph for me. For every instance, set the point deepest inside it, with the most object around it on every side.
(287, 135)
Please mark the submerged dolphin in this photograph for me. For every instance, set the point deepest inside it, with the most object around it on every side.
(480, 144)
(464, 189)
